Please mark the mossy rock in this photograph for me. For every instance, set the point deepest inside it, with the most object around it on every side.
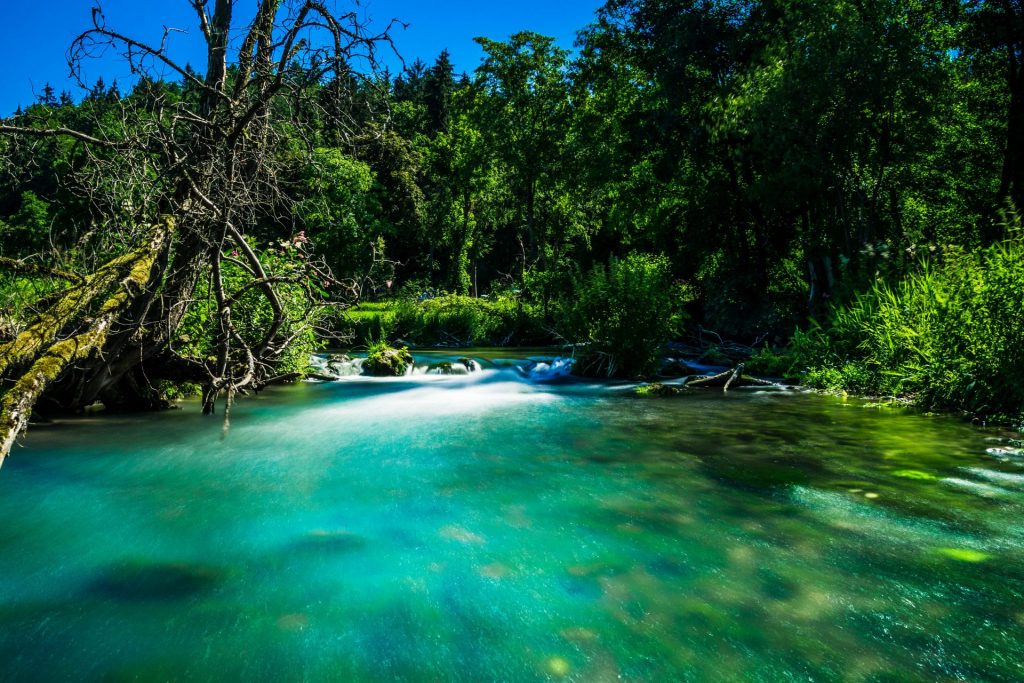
(444, 368)
(660, 390)
(470, 364)
(387, 361)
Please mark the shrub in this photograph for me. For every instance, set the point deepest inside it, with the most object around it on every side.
(457, 320)
(625, 312)
(252, 314)
(950, 336)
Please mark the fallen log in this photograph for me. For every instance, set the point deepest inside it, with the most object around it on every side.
(724, 380)
(48, 356)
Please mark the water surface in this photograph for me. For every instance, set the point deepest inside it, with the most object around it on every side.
(491, 528)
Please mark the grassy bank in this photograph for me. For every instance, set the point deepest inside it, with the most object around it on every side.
(449, 320)
(948, 337)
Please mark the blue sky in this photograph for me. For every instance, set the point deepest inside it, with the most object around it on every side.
(35, 34)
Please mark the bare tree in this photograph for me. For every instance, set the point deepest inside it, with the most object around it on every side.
(182, 180)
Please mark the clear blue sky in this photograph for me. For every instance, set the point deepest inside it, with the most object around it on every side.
(35, 34)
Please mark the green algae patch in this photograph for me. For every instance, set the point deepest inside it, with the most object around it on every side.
(964, 554)
(914, 474)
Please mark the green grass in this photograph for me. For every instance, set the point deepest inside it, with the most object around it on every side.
(949, 336)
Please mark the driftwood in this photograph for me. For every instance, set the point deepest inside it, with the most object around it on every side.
(729, 379)
(725, 380)
(317, 377)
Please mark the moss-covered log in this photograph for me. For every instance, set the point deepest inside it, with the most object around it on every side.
(72, 305)
(50, 359)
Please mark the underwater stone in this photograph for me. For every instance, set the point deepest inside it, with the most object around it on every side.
(914, 474)
(330, 541)
(141, 581)
(457, 533)
(558, 667)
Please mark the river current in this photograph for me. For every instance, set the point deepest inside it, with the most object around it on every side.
(493, 527)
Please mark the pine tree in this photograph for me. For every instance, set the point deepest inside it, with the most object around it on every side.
(49, 96)
(439, 84)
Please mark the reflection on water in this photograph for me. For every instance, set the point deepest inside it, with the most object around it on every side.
(484, 527)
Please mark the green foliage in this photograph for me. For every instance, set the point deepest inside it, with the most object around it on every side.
(252, 314)
(20, 296)
(625, 312)
(456, 320)
(387, 361)
(951, 335)
(28, 230)
(339, 211)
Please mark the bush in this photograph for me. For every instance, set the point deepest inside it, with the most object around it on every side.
(950, 336)
(625, 312)
(252, 315)
(456, 320)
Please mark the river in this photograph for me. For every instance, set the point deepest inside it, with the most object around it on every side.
(489, 527)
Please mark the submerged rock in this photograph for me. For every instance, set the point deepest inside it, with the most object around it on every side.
(1006, 452)
(338, 362)
(444, 368)
(557, 667)
(963, 554)
(321, 540)
(448, 368)
(557, 370)
(293, 623)
(457, 533)
(334, 366)
(142, 581)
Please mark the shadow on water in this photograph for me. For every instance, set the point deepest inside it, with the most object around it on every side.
(142, 581)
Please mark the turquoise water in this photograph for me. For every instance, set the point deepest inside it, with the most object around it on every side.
(488, 528)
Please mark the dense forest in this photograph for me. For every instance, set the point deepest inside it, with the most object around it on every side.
(829, 184)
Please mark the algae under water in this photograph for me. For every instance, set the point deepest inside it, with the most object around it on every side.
(490, 528)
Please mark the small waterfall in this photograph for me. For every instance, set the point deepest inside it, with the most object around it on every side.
(335, 365)
(556, 370)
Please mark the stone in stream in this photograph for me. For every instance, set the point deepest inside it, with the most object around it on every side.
(914, 474)
(495, 570)
(321, 540)
(448, 368)
(1005, 452)
(444, 368)
(150, 581)
(386, 361)
(557, 667)
(293, 623)
(457, 533)
(675, 367)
